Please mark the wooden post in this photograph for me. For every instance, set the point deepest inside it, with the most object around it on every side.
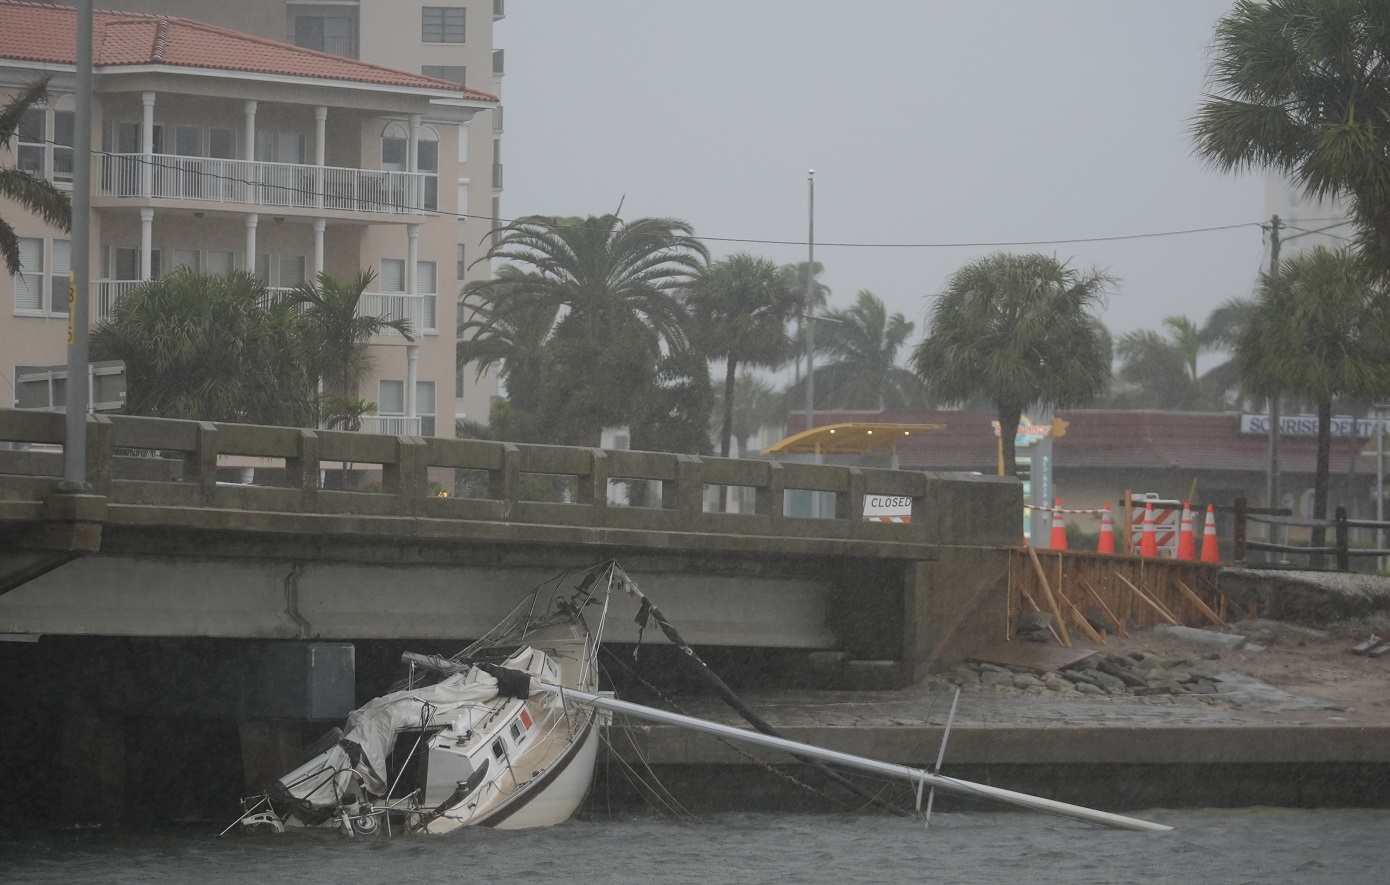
(1196, 600)
(1051, 600)
(1343, 555)
(1115, 623)
(1238, 544)
(1153, 603)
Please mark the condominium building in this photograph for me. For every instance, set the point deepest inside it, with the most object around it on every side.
(221, 150)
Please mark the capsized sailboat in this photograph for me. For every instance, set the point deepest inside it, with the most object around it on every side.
(469, 740)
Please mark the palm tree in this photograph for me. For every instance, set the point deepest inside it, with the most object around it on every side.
(34, 194)
(1219, 333)
(862, 343)
(499, 325)
(210, 348)
(613, 288)
(1164, 367)
(739, 308)
(1320, 329)
(1018, 330)
(338, 334)
(756, 401)
(1302, 88)
(812, 296)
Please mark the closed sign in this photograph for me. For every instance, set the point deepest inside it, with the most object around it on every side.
(887, 508)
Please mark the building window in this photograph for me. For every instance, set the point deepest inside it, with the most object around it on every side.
(427, 161)
(392, 276)
(452, 73)
(462, 262)
(28, 283)
(221, 264)
(188, 258)
(390, 398)
(442, 24)
(463, 197)
(63, 123)
(292, 271)
(463, 143)
(222, 143)
(127, 260)
(425, 407)
(334, 34)
(33, 142)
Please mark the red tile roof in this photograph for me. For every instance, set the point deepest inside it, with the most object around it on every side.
(1102, 440)
(41, 32)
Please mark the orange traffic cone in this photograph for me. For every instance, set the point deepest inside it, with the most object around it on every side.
(1148, 544)
(1211, 552)
(1059, 531)
(1187, 545)
(1107, 533)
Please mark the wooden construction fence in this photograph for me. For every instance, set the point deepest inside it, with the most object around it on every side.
(1093, 595)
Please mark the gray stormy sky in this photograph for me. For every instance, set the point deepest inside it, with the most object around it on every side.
(990, 121)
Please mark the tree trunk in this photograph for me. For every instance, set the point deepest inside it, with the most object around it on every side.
(1009, 416)
(1324, 459)
(727, 431)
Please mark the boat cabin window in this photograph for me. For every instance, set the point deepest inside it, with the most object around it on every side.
(498, 749)
(516, 732)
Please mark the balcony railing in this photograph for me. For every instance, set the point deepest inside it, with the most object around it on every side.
(391, 425)
(106, 294)
(498, 62)
(291, 185)
(420, 310)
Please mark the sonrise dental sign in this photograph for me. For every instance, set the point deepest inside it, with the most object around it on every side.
(1307, 425)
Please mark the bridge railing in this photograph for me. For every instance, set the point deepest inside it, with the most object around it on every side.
(155, 462)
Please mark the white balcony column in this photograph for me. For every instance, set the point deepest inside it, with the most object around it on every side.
(412, 160)
(320, 225)
(249, 263)
(320, 150)
(146, 243)
(412, 374)
(249, 143)
(412, 258)
(147, 145)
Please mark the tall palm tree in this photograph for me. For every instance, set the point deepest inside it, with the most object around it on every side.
(1164, 367)
(739, 308)
(1219, 333)
(756, 401)
(803, 279)
(499, 325)
(338, 334)
(613, 287)
(210, 348)
(1320, 329)
(1302, 87)
(34, 194)
(862, 343)
(1018, 330)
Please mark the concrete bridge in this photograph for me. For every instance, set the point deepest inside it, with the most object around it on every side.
(261, 557)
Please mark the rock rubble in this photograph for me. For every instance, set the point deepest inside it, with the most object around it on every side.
(1134, 675)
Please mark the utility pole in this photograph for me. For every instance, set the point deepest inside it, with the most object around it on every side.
(1272, 491)
(77, 388)
(810, 290)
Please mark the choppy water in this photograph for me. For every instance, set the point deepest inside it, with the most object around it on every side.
(1347, 847)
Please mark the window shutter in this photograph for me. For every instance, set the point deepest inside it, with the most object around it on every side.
(426, 278)
(392, 276)
(291, 271)
(28, 283)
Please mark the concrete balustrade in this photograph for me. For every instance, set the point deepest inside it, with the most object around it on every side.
(157, 462)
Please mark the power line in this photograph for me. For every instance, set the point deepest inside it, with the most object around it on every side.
(312, 197)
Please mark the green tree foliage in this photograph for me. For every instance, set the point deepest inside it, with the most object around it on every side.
(756, 404)
(336, 335)
(581, 318)
(34, 194)
(1163, 367)
(1019, 330)
(1320, 329)
(1303, 87)
(210, 348)
(862, 343)
(739, 309)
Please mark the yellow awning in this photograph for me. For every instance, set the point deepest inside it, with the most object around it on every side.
(848, 439)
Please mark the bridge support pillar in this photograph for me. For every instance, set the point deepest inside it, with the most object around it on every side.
(93, 764)
(953, 605)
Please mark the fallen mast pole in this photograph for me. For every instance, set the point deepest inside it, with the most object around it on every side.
(903, 772)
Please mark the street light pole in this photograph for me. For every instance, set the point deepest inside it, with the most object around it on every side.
(77, 388)
(810, 307)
